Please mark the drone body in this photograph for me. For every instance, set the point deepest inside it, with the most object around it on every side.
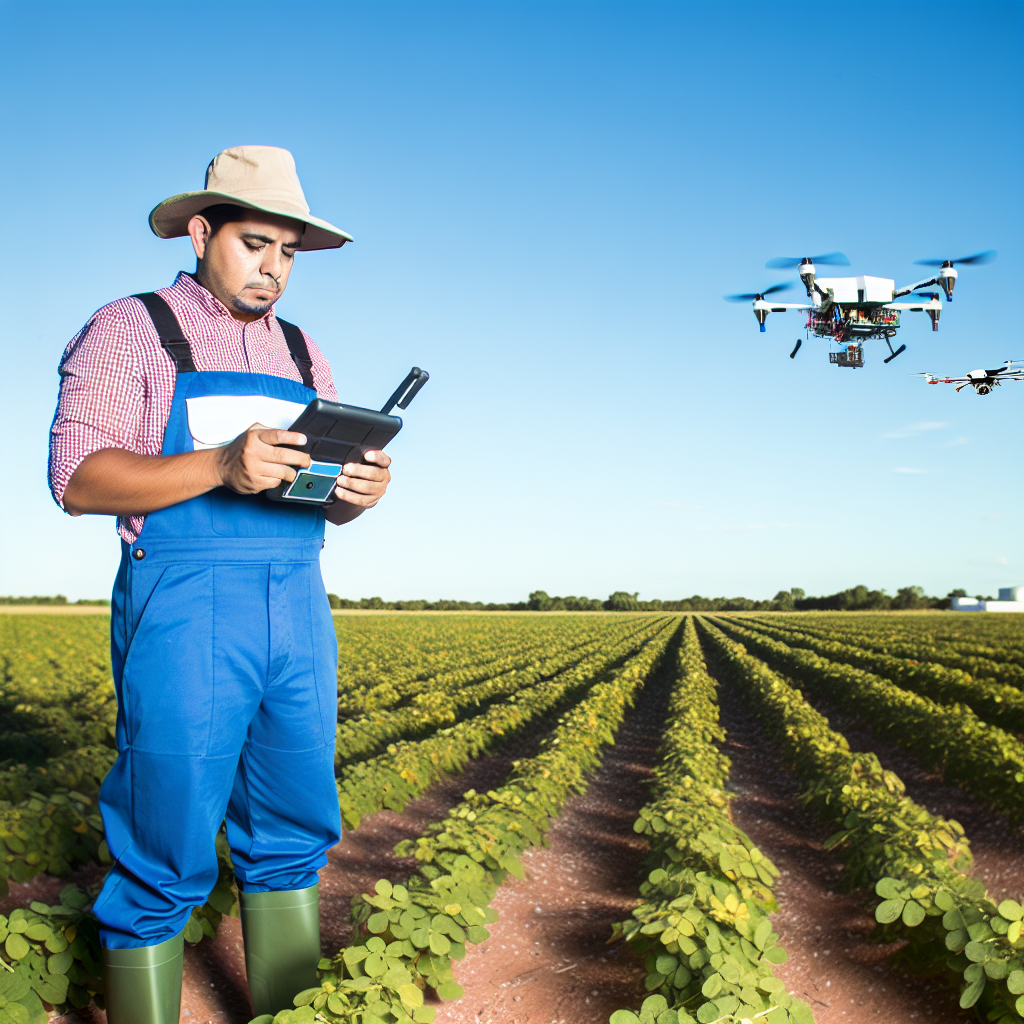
(983, 381)
(852, 310)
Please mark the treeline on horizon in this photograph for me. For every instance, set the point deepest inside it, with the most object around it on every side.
(855, 599)
(858, 598)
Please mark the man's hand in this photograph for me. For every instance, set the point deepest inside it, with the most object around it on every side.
(253, 463)
(364, 485)
(359, 487)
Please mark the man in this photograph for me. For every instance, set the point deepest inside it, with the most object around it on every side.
(171, 414)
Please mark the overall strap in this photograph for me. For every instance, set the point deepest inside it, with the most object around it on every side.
(299, 351)
(172, 337)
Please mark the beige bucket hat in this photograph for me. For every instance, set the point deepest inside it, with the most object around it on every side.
(258, 178)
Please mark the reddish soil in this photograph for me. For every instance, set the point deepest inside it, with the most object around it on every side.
(548, 958)
(833, 964)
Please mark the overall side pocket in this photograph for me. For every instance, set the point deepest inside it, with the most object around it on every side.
(168, 673)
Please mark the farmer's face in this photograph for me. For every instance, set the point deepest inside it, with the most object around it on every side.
(246, 263)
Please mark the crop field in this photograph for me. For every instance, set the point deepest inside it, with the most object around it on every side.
(581, 818)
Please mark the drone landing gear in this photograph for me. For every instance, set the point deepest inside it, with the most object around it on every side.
(797, 349)
(902, 348)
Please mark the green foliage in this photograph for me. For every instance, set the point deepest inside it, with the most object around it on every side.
(900, 638)
(58, 711)
(56, 694)
(443, 605)
(539, 601)
(48, 955)
(655, 1010)
(406, 770)
(998, 703)
(703, 928)
(430, 695)
(384, 662)
(958, 925)
(981, 757)
(914, 859)
(882, 830)
(49, 833)
(859, 598)
(445, 697)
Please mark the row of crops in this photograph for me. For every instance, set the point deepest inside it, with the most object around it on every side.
(421, 697)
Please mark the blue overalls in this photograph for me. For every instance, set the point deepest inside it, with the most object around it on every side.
(225, 666)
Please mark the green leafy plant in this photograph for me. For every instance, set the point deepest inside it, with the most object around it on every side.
(981, 757)
(998, 703)
(925, 642)
(407, 769)
(48, 955)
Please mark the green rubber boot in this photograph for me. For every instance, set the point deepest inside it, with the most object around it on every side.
(281, 932)
(143, 986)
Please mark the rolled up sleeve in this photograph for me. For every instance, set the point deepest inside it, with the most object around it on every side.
(101, 399)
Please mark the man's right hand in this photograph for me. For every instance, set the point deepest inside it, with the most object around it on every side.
(253, 462)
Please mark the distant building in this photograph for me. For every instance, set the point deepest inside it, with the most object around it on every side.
(1011, 599)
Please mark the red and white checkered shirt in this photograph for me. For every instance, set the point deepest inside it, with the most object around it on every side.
(117, 381)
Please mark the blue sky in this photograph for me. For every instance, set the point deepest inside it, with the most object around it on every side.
(549, 201)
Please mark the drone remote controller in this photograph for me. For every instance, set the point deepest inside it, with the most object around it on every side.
(337, 434)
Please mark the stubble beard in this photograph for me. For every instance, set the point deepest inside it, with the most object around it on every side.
(251, 308)
(258, 308)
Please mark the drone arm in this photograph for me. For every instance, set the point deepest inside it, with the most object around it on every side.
(764, 306)
(913, 287)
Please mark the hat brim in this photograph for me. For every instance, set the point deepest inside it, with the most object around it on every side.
(170, 219)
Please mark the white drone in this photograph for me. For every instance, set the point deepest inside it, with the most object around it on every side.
(851, 310)
(983, 381)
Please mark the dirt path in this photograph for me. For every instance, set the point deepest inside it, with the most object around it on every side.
(548, 957)
(832, 963)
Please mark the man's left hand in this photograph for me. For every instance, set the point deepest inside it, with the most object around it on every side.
(364, 485)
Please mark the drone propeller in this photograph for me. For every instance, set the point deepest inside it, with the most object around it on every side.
(752, 296)
(975, 260)
(924, 295)
(799, 342)
(828, 259)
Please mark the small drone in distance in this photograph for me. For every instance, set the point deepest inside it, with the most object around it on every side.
(983, 381)
(852, 310)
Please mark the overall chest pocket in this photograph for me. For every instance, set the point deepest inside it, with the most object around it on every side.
(216, 420)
